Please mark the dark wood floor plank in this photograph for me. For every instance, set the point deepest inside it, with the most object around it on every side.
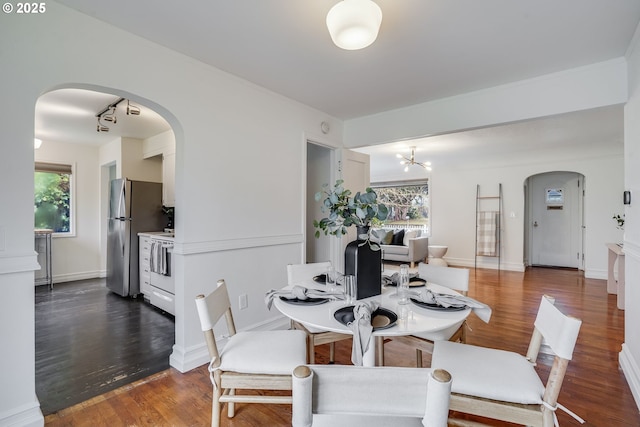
(594, 387)
(90, 340)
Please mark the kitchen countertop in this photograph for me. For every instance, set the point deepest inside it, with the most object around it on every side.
(162, 234)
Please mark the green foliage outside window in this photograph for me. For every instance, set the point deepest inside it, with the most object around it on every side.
(52, 209)
(406, 204)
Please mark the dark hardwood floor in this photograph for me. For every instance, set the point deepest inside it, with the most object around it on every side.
(90, 341)
(594, 387)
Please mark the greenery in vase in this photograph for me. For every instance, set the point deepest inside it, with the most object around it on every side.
(344, 210)
(620, 220)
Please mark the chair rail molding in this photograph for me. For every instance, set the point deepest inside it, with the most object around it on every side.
(11, 263)
(234, 244)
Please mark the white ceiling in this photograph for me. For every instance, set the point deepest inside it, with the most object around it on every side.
(584, 131)
(69, 115)
(426, 49)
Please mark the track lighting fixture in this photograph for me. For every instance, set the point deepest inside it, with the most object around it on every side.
(100, 127)
(412, 161)
(108, 114)
(132, 110)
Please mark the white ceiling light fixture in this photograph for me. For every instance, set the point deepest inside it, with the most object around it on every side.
(408, 161)
(37, 143)
(354, 24)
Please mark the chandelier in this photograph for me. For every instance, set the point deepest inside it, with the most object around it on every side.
(408, 161)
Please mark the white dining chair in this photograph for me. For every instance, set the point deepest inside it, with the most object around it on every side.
(452, 278)
(301, 273)
(504, 385)
(353, 396)
(257, 360)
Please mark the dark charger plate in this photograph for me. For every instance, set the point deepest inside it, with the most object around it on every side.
(433, 306)
(308, 301)
(380, 319)
(320, 278)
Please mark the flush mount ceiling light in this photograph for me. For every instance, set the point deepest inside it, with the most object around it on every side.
(354, 24)
(412, 161)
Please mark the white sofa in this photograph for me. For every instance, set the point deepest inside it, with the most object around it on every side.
(414, 247)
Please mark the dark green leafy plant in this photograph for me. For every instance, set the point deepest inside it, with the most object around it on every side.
(620, 220)
(345, 211)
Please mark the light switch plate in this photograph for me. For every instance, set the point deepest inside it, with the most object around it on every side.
(243, 301)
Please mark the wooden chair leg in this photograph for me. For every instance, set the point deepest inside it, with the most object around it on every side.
(332, 352)
(231, 406)
(311, 352)
(215, 408)
(419, 358)
(379, 351)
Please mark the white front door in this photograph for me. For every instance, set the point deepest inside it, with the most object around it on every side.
(555, 222)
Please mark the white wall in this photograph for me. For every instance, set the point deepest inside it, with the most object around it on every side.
(77, 257)
(232, 213)
(630, 355)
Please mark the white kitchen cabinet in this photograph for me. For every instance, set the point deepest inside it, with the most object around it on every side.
(168, 179)
(145, 276)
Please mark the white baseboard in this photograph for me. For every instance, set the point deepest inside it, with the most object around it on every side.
(28, 415)
(631, 372)
(491, 264)
(84, 275)
(595, 274)
(185, 360)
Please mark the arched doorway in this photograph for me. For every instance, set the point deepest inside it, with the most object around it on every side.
(116, 340)
(554, 230)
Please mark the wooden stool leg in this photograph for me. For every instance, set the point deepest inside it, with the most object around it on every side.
(332, 352)
(419, 358)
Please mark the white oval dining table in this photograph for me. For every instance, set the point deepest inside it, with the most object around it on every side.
(412, 318)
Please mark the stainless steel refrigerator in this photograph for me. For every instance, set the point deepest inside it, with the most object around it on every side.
(134, 207)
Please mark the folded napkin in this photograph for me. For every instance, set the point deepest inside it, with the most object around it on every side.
(483, 311)
(362, 329)
(301, 293)
(394, 279)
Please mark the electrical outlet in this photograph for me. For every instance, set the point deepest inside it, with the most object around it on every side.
(243, 301)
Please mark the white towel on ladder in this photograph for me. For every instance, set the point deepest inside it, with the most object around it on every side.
(487, 233)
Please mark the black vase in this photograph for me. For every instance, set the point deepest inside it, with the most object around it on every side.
(365, 264)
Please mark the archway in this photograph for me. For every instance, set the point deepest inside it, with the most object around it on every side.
(95, 169)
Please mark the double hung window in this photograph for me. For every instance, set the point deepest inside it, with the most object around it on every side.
(53, 207)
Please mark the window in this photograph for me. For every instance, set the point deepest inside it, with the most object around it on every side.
(408, 203)
(52, 202)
